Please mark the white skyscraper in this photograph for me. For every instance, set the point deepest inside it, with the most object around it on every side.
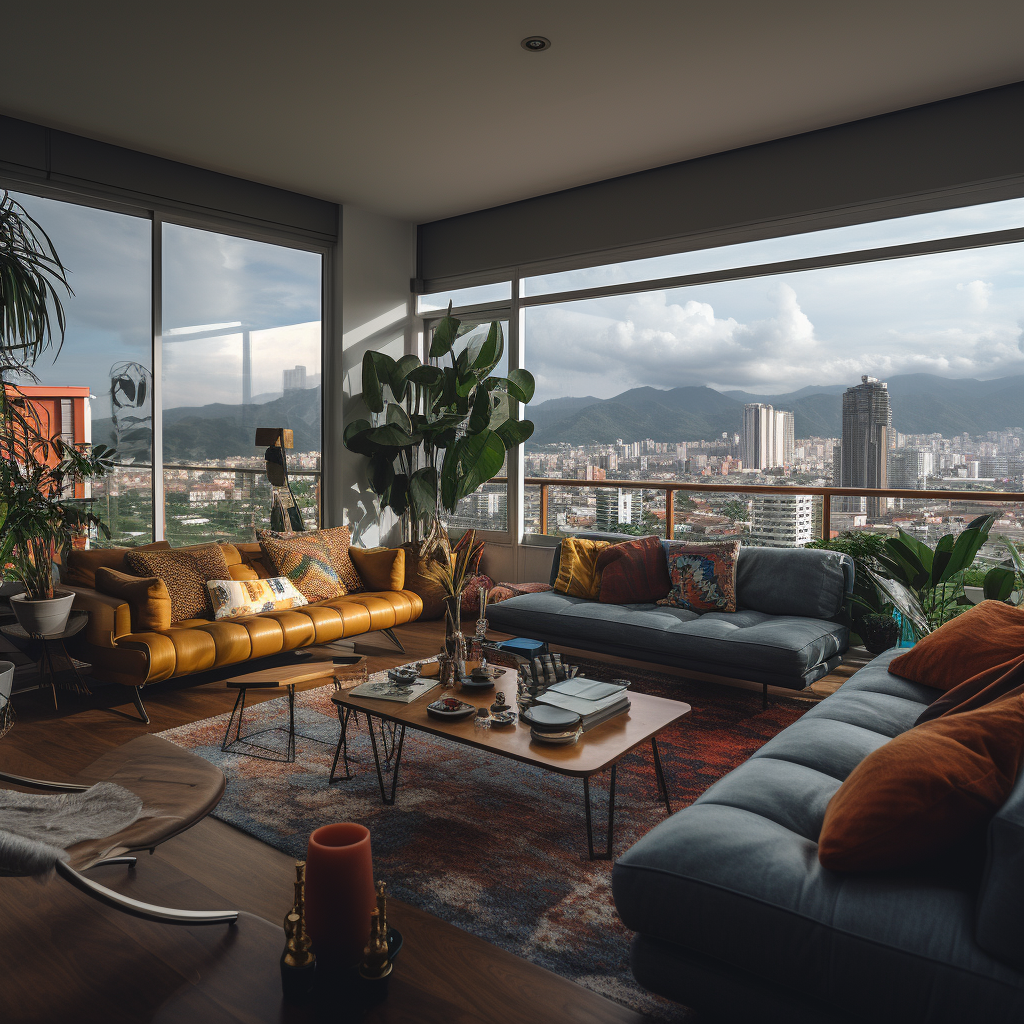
(782, 520)
(767, 437)
(615, 506)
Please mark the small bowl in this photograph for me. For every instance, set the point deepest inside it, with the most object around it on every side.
(503, 718)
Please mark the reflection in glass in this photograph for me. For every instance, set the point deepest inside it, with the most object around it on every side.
(106, 356)
(875, 235)
(241, 350)
(500, 292)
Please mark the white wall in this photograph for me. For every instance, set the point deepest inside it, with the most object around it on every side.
(373, 310)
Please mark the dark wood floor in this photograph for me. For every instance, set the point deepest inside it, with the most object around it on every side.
(215, 862)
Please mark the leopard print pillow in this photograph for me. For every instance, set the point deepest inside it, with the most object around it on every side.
(185, 574)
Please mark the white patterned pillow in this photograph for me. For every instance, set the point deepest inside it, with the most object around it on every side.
(232, 598)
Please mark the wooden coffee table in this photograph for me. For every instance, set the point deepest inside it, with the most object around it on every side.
(596, 751)
(283, 677)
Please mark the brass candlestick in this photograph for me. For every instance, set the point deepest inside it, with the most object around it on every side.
(376, 963)
(298, 963)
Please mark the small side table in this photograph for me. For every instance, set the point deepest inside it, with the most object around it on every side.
(282, 678)
(48, 649)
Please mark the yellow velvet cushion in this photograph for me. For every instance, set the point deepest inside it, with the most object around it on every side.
(380, 568)
(147, 597)
(578, 575)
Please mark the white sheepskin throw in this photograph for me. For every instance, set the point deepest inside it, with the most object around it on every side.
(35, 830)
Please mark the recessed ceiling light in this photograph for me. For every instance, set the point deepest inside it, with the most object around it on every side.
(536, 43)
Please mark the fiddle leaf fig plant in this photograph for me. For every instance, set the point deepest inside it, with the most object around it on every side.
(441, 429)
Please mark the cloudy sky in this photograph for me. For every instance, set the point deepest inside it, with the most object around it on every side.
(953, 314)
(208, 279)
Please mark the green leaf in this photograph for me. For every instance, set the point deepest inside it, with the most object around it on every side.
(967, 545)
(514, 432)
(445, 333)
(377, 371)
(398, 498)
(998, 583)
(920, 549)
(382, 473)
(426, 376)
(484, 352)
(423, 491)
(940, 560)
(480, 418)
(390, 435)
(400, 376)
(478, 457)
(355, 437)
(904, 564)
(521, 385)
(399, 417)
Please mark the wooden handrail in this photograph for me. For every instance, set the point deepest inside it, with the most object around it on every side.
(825, 493)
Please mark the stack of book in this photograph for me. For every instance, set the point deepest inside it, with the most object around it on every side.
(595, 702)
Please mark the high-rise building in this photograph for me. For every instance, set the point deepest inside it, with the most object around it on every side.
(758, 436)
(768, 437)
(616, 506)
(867, 424)
(782, 520)
(783, 439)
(910, 468)
(294, 380)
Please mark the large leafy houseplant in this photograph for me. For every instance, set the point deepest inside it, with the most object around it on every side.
(37, 471)
(926, 585)
(438, 431)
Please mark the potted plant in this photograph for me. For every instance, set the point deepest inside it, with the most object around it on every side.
(37, 518)
(437, 432)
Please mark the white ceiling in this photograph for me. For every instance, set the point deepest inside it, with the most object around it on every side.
(426, 109)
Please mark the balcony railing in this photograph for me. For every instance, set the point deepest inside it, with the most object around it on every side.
(825, 493)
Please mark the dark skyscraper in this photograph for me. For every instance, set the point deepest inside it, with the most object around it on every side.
(867, 423)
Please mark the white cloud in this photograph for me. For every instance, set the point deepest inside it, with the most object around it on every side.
(978, 294)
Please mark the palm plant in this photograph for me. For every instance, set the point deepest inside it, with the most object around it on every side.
(37, 518)
(30, 275)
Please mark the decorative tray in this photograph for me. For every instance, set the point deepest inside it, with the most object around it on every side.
(450, 708)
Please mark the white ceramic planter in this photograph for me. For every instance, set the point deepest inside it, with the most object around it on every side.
(6, 682)
(43, 618)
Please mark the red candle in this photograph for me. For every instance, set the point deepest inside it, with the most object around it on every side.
(340, 894)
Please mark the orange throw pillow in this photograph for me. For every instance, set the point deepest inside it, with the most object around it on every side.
(924, 790)
(981, 640)
(978, 691)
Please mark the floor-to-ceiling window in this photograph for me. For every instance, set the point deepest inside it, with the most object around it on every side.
(885, 355)
(240, 348)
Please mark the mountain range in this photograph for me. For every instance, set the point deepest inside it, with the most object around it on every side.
(219, 431)
(922, 403)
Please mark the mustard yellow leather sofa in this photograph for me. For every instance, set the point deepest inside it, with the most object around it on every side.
(120, 653)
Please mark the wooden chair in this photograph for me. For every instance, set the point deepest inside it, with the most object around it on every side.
(177, 790)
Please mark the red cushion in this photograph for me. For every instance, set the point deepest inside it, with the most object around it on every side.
(634, 572)
(471, 594)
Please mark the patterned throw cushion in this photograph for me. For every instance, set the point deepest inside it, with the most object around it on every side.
(305, 559)
(185, 573)
(578, 575)
(471, 594)
(338, 539)
(634, 572)
(703, 576)
(250, 597)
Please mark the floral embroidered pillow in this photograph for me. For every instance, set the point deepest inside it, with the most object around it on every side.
(703, 576)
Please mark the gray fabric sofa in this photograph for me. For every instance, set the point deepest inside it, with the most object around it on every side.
(783, 633)
(735, 916)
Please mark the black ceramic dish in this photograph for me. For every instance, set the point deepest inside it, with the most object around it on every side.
(450, 708)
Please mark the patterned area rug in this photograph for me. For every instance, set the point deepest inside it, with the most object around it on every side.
(488, 844)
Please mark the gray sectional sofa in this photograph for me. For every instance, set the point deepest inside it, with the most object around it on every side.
(784, 632)
(735, 916)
